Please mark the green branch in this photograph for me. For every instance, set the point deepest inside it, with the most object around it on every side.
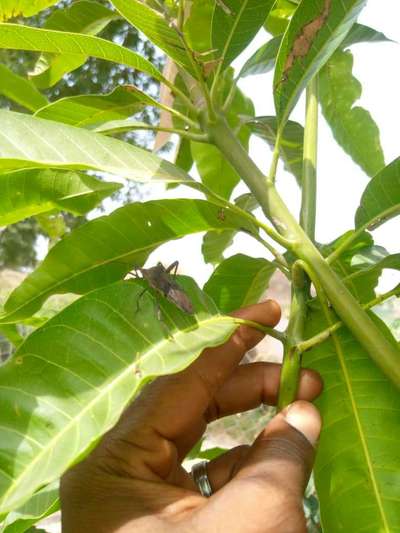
(265, 329)
(121, 126)
(380, 349)
(291, 365)
(326, 333)
(309, 175)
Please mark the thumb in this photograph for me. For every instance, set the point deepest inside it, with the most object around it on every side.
(267, 490)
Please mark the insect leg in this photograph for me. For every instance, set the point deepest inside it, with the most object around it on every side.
(173, 268)
(139, 298)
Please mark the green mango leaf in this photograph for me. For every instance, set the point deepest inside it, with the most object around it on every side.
(43, 503)
(110, 246)
(234, 27)
(314, 32)
(183, 158)
(381, 199)
(20, 90)
(357, 467)
(291, 147)
(157, 28)
(221, 30)
(367, 266)
(16, 8)
(363, 34)
(19, 37)
(238, 281)
(215, 171)
(34, 142)
(71, 379)
(352, 126)
(216, 242)
(263, 60)
(83, 16)
(352, 265)
(280, 15)
(24, 193)
(88, 110)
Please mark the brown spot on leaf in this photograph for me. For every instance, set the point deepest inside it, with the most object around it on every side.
(221, 214)
(210, 66)
(226, 9)
(304, 40)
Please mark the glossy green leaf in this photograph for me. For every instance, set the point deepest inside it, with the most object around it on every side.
(215, 171)
(238, 281)
(291, 147)
(233, 28)
(107, 248)
(43, 503)
(381, 199)
(88, 110)
(370, 266)
(157, 28)
(352, 265)
(359, 33)
(352, 126)
(83, 16)
(26, 8)
(183, 158)
(358, 464)
(316, 29)
(20, 90)
(280, 15)
(71, 379)
(24, 193)
(19, 37)
(34, 142)
(222, 30)
(216, 242)
(263, 60)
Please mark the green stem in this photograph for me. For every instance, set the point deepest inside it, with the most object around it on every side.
(349, 310)
(275, 159)
(326, 333)
(291, 365)
(225, 203)
(280, 261)
(185, 99)
(265, 329)
(309, 176)
(113, 127)
(181, 14)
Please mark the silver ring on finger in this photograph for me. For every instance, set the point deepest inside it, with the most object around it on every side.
(200, 477)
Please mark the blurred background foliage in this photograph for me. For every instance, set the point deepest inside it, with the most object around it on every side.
(18, 242)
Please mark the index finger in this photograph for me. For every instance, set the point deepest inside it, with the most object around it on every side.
(173, 404)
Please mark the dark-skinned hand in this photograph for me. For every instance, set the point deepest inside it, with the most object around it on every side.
(134, 480)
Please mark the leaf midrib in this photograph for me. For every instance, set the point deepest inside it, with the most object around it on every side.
(369, 462)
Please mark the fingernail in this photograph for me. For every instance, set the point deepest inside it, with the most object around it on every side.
(304, 417)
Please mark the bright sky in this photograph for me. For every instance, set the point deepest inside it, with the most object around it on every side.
(340, 181)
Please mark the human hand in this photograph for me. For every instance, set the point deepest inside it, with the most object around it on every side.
(134, 481)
